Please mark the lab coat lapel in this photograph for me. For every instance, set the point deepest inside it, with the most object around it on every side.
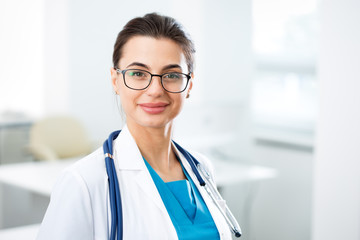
(146, 183)
(128, 158)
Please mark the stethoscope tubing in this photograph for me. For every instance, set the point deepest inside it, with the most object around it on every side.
(114, 189)
(115, 196)
(211, 190)
(216, 197)
(193, 163)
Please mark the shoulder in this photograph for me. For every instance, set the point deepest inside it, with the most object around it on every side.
(93, 165)
(73, 200)
(77, 200)
(205, 161)
(201, 158)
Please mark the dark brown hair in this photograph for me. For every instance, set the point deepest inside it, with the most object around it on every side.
(156, 26)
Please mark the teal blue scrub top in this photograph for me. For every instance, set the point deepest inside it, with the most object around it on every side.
(186, 207)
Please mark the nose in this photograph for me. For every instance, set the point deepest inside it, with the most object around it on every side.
(155, 88)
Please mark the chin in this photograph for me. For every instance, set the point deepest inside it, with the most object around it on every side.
(152, 121)
(155, 124)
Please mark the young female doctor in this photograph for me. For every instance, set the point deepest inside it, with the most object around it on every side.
(161, 197)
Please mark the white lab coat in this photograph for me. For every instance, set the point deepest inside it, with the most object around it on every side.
(79, 207)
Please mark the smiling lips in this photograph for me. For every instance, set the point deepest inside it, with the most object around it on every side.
(153, 108)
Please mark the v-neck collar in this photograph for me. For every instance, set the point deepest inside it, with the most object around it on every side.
(172, 204)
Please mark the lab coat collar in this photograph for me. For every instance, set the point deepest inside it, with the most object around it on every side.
(126, 152)
(128, 158)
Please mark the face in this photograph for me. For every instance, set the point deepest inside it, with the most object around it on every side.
(152, 107)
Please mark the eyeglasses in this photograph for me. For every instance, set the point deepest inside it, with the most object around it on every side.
(137, 79)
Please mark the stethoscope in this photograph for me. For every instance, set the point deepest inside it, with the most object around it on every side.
(200, 172)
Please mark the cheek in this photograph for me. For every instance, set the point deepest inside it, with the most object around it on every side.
(126, 98)
(179, 101)
(129, 99)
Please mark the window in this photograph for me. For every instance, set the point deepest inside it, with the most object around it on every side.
(284, 42)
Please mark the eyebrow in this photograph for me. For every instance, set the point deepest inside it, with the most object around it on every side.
(170, 66)
(167, 67)
(138, 64)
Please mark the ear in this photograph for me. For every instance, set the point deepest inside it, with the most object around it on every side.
(114, 78)
(190, 86)
(191, 82)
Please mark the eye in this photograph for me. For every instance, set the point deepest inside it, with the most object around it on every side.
(173, 76)
(134, 73)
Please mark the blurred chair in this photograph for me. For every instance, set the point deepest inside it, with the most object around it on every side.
(58, 137)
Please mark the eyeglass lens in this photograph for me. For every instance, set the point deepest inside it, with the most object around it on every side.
(138, 80)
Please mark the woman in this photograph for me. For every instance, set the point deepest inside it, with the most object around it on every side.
(161, 198)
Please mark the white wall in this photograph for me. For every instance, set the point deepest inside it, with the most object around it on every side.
(337, 177)
(21, 56)
(281, 209)
(56, 57)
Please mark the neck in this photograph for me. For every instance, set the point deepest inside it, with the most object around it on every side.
(154, 145)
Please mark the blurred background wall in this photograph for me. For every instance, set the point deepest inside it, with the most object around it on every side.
(255, 97)
(336, 205)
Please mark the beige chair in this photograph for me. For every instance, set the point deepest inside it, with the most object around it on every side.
(58, 137)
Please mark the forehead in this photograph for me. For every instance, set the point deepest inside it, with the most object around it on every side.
(152, 52)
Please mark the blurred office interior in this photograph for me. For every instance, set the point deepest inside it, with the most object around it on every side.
(274, 96)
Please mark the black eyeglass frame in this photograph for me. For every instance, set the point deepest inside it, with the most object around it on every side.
(188, 76)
